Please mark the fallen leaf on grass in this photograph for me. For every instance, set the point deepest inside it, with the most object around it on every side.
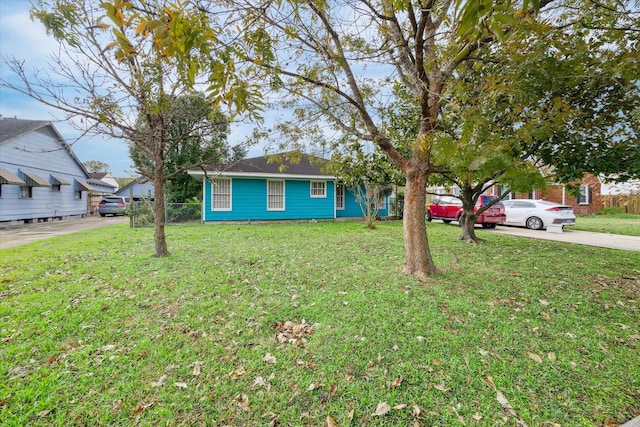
(506, 405)
(331, 422)
(332, 390)
(551, 356)
(180, 385)
(400, 406)
(140, 409)
(396, 383)
(197, 368)
(534, 357)
(43, 413)
(416, 410)
(441, 387)
(243, 402)
(4, 401)
(543, 302)
(269, 358)
(160, 381)
(383, 408)
(489, 382)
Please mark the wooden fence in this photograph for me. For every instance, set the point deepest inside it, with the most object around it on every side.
(629, 203)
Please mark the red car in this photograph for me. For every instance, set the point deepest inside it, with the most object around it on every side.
(447, 209)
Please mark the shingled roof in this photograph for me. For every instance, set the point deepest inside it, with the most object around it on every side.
(280, 164)
(11, 128)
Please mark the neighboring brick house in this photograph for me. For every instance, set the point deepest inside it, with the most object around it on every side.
(589, 201)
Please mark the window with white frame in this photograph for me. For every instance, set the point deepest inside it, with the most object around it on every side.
(275, 195)
(340, 197)
(585, 195)
(318, 189)
(221, 194)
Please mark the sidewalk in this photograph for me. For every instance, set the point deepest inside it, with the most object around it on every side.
(603, 240)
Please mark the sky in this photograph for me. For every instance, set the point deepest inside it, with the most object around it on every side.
(27, 41)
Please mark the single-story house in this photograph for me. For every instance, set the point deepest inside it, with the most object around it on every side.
(263, 190)
(40, 176)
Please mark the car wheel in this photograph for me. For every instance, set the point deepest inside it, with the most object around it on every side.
(446, 221)
(102, 214)
(488, 225)
(534, 223)
(429, 216)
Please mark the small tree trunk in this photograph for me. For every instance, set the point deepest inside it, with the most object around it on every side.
(159, 215)
(418, 260)
(467, 226)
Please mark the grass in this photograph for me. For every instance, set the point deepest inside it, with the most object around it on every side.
(627, 224)
(289, 324)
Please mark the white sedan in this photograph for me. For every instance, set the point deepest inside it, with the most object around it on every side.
(537, 214)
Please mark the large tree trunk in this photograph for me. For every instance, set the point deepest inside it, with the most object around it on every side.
(418, 259)
(467, 226)
(159, 215)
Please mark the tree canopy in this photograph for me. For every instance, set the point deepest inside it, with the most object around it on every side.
(122, 62)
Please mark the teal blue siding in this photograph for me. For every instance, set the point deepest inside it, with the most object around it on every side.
(249, 201)
(352, 208)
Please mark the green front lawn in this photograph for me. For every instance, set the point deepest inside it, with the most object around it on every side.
(307, 324)
(627, 224)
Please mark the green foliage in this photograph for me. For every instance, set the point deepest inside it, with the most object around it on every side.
(195, 135)
(96, 166)
(95, 332)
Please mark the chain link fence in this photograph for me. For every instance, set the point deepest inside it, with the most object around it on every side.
(175, 213)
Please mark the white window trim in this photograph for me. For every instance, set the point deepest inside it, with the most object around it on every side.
(324, 188)
(586, 195)
(213, 186)
(284, 192)
(338, 207)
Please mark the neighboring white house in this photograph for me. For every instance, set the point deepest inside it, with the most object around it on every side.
(106, 178)
(40, 177)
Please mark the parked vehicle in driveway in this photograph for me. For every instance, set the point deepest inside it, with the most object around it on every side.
(448, 208)
(537, 214)
(113, 205)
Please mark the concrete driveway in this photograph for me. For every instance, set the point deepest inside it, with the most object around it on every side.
(603, 240)
(19, 234)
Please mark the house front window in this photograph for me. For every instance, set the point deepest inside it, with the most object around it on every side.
(26, 192)
(585, 195)
(55, 187)
(318, 189)
(275, 195)
(340, 197)
(221, 194)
